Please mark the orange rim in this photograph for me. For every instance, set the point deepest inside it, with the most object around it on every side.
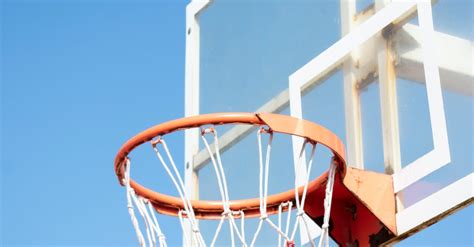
(170, 205)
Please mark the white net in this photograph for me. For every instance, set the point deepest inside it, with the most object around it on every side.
(155, 237)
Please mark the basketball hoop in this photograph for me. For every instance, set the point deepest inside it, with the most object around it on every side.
(320, 189)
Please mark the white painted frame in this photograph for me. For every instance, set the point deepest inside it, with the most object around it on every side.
(337, 53)
(436, 206)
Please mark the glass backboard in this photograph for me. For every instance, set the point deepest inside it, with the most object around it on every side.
(398, 94)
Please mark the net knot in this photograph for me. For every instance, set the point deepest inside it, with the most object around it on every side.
(264, 130)
(226, 212)
(195, 230)
(156, 141)
(290, 243)
(208, 130)
(300, 213)
(264, 216)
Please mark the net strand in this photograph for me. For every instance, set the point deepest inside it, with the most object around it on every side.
(218, 230)
(181, 221)
(218, 173)
(150, 218)
(160, 235)
(242, 224)
(288, 217)
(147, 225)
(324, 239)
(179, 184)
(222, 184)
(289, 205)
(259, 227)
(262, 187)
(263, 184)
(131, 211)
(279, 222)
(300, 219)
(152, 227)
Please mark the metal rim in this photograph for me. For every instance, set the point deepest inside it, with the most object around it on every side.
(170, 205)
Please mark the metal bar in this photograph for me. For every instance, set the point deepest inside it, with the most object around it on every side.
(191, 136)
(388, 101)
(454, 60)
(355, 151)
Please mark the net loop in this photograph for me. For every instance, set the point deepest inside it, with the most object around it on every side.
(175, 177)
(289, 205)
(264, 167)
(300, 220)
(222, 184)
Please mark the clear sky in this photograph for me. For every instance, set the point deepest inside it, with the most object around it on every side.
(77, 79)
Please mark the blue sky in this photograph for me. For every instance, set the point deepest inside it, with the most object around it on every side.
(77, 79)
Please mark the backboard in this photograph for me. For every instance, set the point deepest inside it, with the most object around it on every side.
(393, 79)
